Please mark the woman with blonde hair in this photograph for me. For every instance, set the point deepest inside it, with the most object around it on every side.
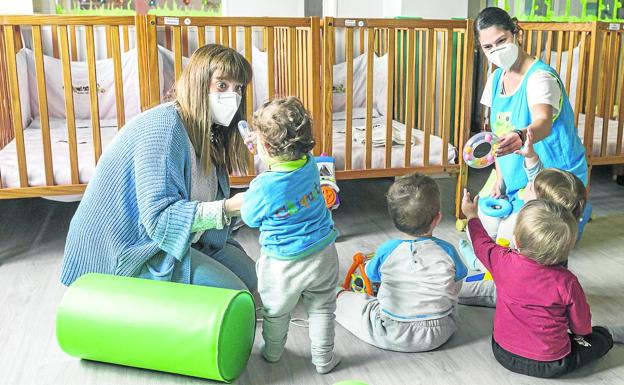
(162, 186)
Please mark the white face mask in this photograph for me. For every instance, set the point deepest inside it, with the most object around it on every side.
(504, 56)
(223, 106)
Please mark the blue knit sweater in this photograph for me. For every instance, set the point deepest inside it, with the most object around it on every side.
(138, 202)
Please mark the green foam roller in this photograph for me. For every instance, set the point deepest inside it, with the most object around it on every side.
(193, 330)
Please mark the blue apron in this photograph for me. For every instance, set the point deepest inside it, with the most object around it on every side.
(561, 149)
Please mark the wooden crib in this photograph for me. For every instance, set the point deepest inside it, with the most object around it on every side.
(426, 69)
(38, 51)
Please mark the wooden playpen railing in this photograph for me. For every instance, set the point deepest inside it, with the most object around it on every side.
(429, 75)
(292, 46)
(56, 35)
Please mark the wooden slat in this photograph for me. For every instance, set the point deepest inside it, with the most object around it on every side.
(225, 38)
(249, 92)
(462, 178)
(409, 98)
(16, 111)
(370, 57)
(292, 61)
(201, 36)
(314, 81)
(328, 79)
(391, 56)
(614, 54)
(540, 35)
(270, 62)
(396, 75)
(65, 20)
(571, 38)
(217, 32)
(151, 55)
(93, 94)
(420, 116)
(233, 40)
(592, 77)
(69, 107)
(448, 84)
(618, 145)
(349, 100)
(560, 37)
(529, 47)
(126, 38)
(32, 192)
(439, 95)
(401, 78)
(431, 89)
(42, 98)
(580, 77)
(119, 92)
(55, 43)
(299, 66)
(361, 37)
(107, 32)
(548, 46)
(185, 41)
(458, 82)
(177, 52)
(609, 90)
(168, 37)
(602, 78)
(74, 42)
(143, 59)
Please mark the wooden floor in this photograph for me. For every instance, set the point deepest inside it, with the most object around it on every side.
(32, 234)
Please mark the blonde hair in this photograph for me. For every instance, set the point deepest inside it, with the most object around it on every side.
(286, 128)
(545, 231)
(223, 147)
(562, 187)
(413, 203)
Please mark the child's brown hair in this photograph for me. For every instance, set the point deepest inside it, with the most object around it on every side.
(413, 203)
(286, 128)
(545, 231)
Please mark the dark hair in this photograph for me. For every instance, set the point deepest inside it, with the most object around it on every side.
(286, 127)
(413, 203)
(494, 16)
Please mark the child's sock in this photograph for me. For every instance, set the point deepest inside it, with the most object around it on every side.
(465, 248)
(617, 332)
(324, 369)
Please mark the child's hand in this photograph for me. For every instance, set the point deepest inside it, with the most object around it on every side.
(497, 189)
(528, 151)
(469, 206)
(234, 204)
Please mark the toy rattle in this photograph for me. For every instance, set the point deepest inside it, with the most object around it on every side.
(480, 150)
(359, 283)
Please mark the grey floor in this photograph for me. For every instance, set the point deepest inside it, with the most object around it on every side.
(32, 234)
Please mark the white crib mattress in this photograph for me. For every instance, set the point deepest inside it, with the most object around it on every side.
(611, 136)
(60, 153)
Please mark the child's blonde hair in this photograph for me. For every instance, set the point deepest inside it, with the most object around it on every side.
(562, 187)
(545, 231)
(413, 203)
(286, 128)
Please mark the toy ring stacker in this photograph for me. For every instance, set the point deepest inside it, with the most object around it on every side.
(480, 150)
(495, 207)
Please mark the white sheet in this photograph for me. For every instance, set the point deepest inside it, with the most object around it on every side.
(60, 153)
(611, 136)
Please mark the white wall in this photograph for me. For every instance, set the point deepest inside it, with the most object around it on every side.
(272, 8)
(438, 9)
(16, 7)
(426, 9)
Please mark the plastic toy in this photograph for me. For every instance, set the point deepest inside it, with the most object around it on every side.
(327, 171)
(480, 277)
(198, 331)
(243, 129)
(495, 207)
(480, 150)
(359, 283)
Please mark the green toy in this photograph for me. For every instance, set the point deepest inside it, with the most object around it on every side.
(193, 330)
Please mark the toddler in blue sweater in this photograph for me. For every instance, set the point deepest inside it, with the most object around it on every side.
(298, 256)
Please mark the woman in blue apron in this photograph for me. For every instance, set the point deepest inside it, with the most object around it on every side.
(522, 93)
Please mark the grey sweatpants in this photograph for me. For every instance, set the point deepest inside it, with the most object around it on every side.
(361, 315)
(281, 283)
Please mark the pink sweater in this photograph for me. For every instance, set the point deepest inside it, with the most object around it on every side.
(536, 304)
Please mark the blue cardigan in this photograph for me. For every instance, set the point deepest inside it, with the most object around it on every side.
(138, 202)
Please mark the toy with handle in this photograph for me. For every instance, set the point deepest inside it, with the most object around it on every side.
(245, 132)
(358, 263)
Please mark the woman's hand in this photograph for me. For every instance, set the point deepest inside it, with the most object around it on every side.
(509, 143)
(470, 206)
(250, 142)
(234, 204)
